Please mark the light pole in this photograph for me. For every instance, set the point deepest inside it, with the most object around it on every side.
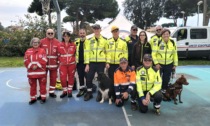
(183, 16)
(199, 3)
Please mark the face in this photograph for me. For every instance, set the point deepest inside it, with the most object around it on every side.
(82, 34)
(97, 31)
(124, 65)
(50, 34)
(166, 36)
(147, 63)
(35, 44)
(142, 36)
(66, 38)
(134, 31)
(158, 30)
(115, 33)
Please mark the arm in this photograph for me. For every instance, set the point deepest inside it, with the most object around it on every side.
(87, 52)
(125, 50)
(154, 54)
(108, 54)
(175, 55)
(133, 55)
(139, 85)
(157, 83)
(132, 84)
(116, 86)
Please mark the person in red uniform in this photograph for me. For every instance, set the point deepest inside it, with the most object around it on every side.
(67, 64)
(35, 62)
(50, 44)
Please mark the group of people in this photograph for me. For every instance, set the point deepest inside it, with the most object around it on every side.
(136, 66)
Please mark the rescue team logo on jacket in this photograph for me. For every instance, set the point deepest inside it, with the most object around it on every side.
(142, 72)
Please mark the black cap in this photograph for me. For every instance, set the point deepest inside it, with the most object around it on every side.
(122, 60)
(147, 57)
(96, 26)
(134, 27)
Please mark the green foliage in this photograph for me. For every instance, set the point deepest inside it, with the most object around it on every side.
(143, 12)
(1, 27)
(11, 62)
(90, 11)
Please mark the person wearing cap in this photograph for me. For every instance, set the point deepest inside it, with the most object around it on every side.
(131, 40)
(117, 48)
(124, 84)
(165, 57)
(148, 82)
(157, 37)
(81, 58)
(140, 48)
(95, 59)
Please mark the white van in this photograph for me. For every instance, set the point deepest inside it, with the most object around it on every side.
(192, 41)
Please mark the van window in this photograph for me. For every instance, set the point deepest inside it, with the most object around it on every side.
(198, 33)
(182, 34)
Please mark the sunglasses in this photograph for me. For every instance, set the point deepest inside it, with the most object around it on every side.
(147, 60)
(50, 33)
(135, 29)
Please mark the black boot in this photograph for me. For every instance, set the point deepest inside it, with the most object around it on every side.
(32, 102)
(81, 92)
(88, 96)
(42, 101)
(52, 95)
(69, 95)
(38, 98)
(63, 95)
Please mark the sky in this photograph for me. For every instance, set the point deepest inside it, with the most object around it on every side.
(13, 10)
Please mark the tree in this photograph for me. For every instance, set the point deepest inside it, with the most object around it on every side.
(82, 11)
(180, 9)
(1, 27)
(143, 12)
(206, 12)
(36, 7)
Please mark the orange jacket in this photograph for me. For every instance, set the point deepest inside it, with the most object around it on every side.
(51, 48)
(124, 81)
(66, 54)
(35, 57)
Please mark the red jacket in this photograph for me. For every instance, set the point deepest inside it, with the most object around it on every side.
(51, 48)
(67, 53)
(35, 57)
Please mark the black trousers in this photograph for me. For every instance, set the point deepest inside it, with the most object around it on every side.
(165, 72)
(94, 67)
(81, 73)
(111, 70)
(133, 95)
(156, 98)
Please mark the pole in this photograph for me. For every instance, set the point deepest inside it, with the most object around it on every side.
(198, 16)
(55, 2)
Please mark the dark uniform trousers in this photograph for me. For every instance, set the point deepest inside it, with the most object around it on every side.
(165, 72)
(81, 73)
(156, 98)
(94, 67)
(111, 71)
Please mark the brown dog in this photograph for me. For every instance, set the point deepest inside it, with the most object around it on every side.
(176, 89)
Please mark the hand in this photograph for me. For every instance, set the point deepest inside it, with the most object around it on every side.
(174, 68)
(107, 66)
(158, 66)
(87, 68)
(125, 95)
(148, 97)
(34, 67)
(117, 101)
(133, 67)
(145, 102)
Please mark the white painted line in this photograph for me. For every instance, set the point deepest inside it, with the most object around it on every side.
(126, 116)
(7, 83)
(2, 71)
(203, 70)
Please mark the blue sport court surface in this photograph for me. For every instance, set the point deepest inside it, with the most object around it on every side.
(15, 110)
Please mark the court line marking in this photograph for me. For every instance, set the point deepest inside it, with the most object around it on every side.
(126, 116)
(7, 83)
(203, 70)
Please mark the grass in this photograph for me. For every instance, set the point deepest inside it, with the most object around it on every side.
(11, 62)
(18, 62)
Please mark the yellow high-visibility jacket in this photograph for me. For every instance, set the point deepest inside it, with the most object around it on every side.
(165, 53)
(154, 40)
(97, 49)
(86, 50)
(116, 50)
(148, 80)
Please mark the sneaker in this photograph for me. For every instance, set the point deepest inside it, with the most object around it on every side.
(38, 98)
(32, 102)
(81, 92)
(69, 95)
(88, 96)
(52, 95)
(134, 106)
(63, 95)
(42, 101)
(157, 111)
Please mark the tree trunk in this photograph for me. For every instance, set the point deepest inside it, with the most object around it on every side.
(185, 20)
(175, 21)
(205, 16)
(49, 19)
